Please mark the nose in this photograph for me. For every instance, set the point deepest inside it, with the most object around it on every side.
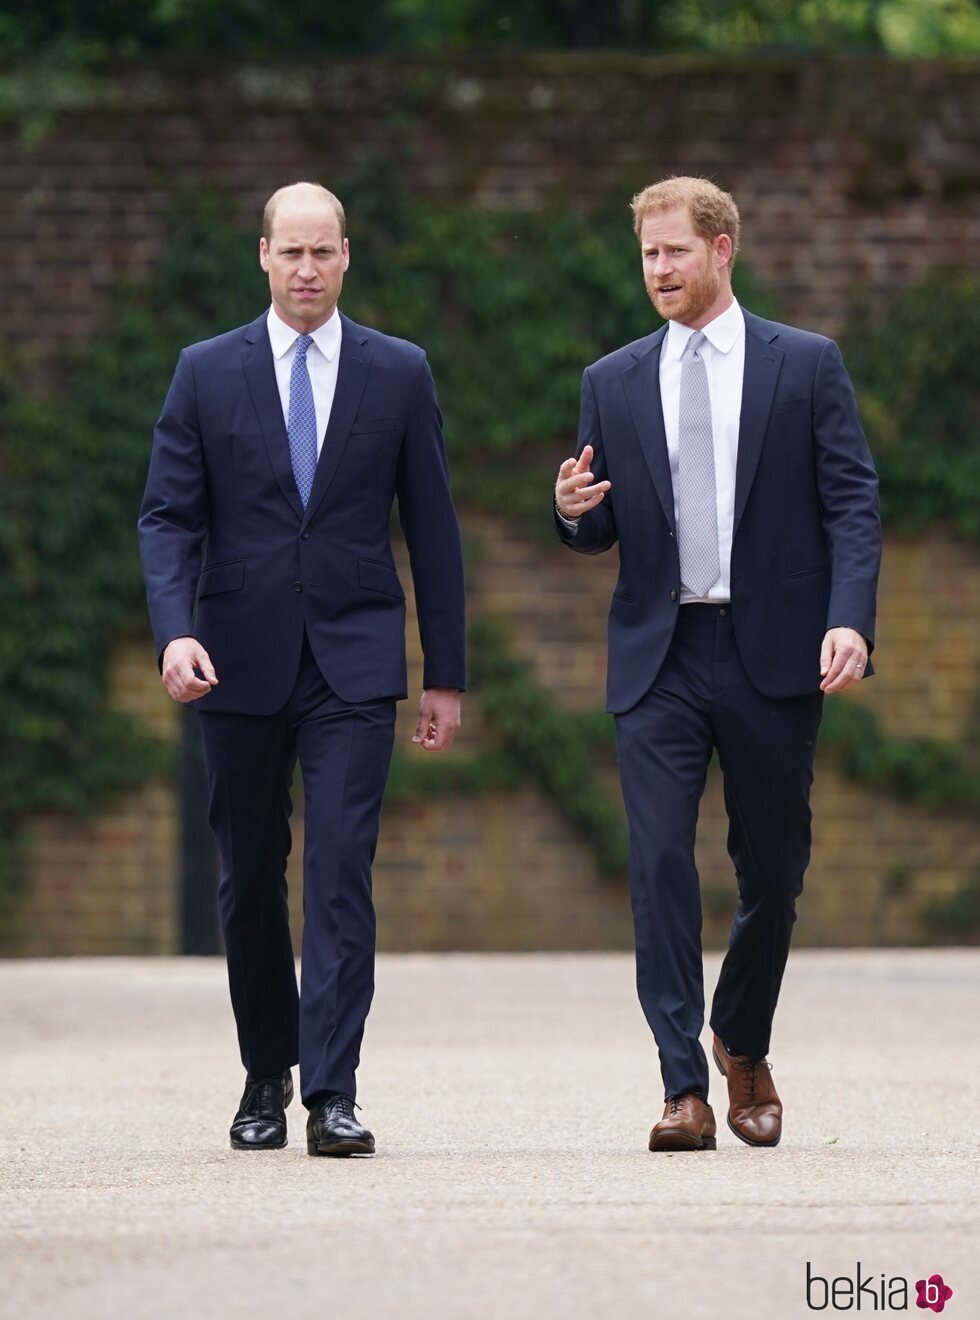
(663, 264)
(306, 269)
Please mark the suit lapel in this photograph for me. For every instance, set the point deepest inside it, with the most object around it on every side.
(352, 374)
(641, 381)
(260, 374)
(763, 361)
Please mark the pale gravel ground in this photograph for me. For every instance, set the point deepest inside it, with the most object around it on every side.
(511, 1097)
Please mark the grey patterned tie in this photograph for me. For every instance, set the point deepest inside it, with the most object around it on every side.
(697, 516)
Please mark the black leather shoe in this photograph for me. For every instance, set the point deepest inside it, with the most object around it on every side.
(332, 1129)
(260, 1123)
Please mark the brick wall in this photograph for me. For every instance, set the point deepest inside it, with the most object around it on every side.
(505, 871)
(848, 172)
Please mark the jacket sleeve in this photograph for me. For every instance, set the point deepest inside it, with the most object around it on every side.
(847, 485)
(595, 531)
(428, 518)
(173, 519)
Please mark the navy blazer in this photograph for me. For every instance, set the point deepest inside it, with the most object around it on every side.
(231, 557)
(807, 539)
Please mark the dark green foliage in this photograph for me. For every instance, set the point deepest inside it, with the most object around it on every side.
(549, 743)
(914, 360)
(415, 775)
(926, 770)
(531, 737)
(510, 307)
(73, 470)
(311, 28)
(956, 918)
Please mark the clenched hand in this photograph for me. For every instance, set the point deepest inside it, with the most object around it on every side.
(439, 718)
(182, 656)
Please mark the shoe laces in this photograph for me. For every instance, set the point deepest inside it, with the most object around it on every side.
(344, 1105)
(265, 1096)
(748, 1068)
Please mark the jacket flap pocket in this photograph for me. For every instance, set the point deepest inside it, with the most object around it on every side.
(791, 405)
(365, 425)
(223, 577)
(379, 577)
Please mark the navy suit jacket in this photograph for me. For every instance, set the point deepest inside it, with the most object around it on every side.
(231, 557)
(807, 540)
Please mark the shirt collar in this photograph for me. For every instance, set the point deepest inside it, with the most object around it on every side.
(722, 333)
(327, 337)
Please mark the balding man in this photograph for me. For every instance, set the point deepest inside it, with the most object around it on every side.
(276, 606)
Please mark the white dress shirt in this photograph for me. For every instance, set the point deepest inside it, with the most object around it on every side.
(322, 358)
(724, 358)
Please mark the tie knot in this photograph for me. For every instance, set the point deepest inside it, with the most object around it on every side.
(304, 341)
(695, 342)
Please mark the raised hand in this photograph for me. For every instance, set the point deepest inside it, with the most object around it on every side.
(574, 495)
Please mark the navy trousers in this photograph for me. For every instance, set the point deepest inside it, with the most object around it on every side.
(702, 700)
(344, 753)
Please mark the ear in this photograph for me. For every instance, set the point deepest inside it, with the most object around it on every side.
(263, 254)
(346, 254)
(723, 250)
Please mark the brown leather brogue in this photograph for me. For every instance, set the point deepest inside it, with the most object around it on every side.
(755, 1111)
(687, 1124)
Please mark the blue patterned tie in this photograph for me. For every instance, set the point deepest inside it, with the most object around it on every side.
(302, 421)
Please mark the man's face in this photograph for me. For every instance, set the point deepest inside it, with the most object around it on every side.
(305, 259)
(687, 276)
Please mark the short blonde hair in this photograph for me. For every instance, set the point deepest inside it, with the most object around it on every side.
(712, 210)
(269, 214)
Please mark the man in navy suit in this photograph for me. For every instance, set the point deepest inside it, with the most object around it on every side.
(725, 456)
(275, 603)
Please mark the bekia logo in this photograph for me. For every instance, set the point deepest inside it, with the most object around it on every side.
(933, 1293)
(872, 1292)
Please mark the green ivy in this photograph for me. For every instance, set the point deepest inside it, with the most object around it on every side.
(509, 306)
(414, 777)
(914, 358)
(955, 917)
(74, 464)
(531, 738)
(550, 743)
(924, 770)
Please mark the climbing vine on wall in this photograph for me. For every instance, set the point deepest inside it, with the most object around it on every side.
(509, 306)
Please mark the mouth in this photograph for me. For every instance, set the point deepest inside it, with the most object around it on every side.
(665, 290)
(307, 293)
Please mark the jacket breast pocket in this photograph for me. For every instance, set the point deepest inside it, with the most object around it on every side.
(371, 425)
(376, 576)
(806, 573)
(222, 577)
(791, 405)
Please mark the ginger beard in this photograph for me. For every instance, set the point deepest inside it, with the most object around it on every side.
(680, 270)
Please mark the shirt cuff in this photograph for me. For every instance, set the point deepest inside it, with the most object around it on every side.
(571, 524)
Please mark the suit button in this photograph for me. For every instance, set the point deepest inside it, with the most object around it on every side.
(673, 595)
(297, 586)
(304, 536)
